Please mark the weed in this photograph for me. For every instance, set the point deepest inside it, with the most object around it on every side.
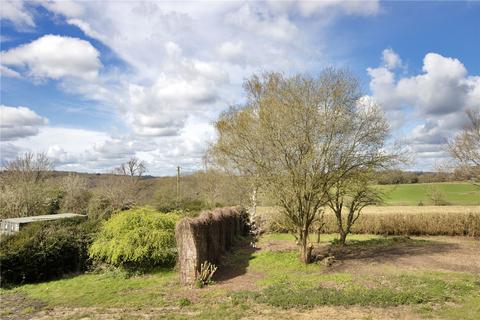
(204, 278)
(184, 302)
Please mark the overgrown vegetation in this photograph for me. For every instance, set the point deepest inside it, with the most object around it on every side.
(426, 220)
(137, 239)
(24, 187)
(43, 251)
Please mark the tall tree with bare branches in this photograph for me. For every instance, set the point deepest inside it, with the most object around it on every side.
(23, 185)
(299, 135)
(464, 148)
(122, 188)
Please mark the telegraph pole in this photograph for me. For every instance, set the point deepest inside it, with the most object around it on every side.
(178, 185)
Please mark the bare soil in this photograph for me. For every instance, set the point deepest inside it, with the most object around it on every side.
(436, 254)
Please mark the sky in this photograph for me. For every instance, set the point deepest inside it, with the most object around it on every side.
(93, 83)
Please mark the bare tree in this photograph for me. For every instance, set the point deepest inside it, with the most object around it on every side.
(300, 135)
(134, 168)
(122, 188)
(76, 194)
(464, 148)
(23, 185)
(348, 197)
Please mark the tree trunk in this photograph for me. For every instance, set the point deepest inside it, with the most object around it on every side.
(305, 247)
(343, 236)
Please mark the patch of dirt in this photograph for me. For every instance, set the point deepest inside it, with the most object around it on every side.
(19, 307)
(344, 313)
(110, 313)
(437, 253)
(277, 245)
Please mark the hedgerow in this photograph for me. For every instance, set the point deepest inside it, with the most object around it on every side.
(46, 250)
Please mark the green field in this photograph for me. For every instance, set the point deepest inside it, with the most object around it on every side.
(413, 194)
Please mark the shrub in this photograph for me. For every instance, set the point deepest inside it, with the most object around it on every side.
(137, 239)
(204, 278)
(43, 251)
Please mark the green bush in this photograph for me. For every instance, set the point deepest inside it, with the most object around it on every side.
(137, 239)
(43, 251)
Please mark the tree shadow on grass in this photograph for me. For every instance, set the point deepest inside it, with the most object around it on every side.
(386, 249)
(235, 262)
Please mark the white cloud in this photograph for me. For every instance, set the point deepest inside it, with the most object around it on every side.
(64, 7)
(16, 12)
(184, 63)
(53, 56)
(362, 8)
(232, 51)
(443, 88)
(19, 122)
(261, 22)
(391, 59)
(436, 101)
(85, 27)
(7, 72)
(69, 148)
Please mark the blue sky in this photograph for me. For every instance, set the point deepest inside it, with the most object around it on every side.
(94, 83)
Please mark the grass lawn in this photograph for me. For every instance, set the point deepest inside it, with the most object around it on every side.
(274, 284)
(413, 194)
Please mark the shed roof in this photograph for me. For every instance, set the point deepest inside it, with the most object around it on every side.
(43, 218)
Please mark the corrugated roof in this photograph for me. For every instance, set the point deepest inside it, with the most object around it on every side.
(43, 218)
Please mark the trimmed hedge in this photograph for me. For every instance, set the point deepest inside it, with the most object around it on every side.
(137, 239)
(46, 250)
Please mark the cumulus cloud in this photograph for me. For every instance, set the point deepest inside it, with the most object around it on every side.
(263, 23)
(7, 72)
(436, 100)
(69, 148)
(64, 7)
(16, 12)
(53, 56)
(391, 59)
(19, 122)
(232, 51)
(443, 88)
(365, 8)
(180, 69)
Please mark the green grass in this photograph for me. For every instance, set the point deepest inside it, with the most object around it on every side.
(405, 289)
(110, 289)
(287, 283)
(413, 194)
(469, 309)
(284, 283)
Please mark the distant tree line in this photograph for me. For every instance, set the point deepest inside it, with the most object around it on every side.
(30, 186)
(406, 177)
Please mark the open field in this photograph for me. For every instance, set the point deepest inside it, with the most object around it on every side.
(373, 277)
(396, 220)
(453, 193)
